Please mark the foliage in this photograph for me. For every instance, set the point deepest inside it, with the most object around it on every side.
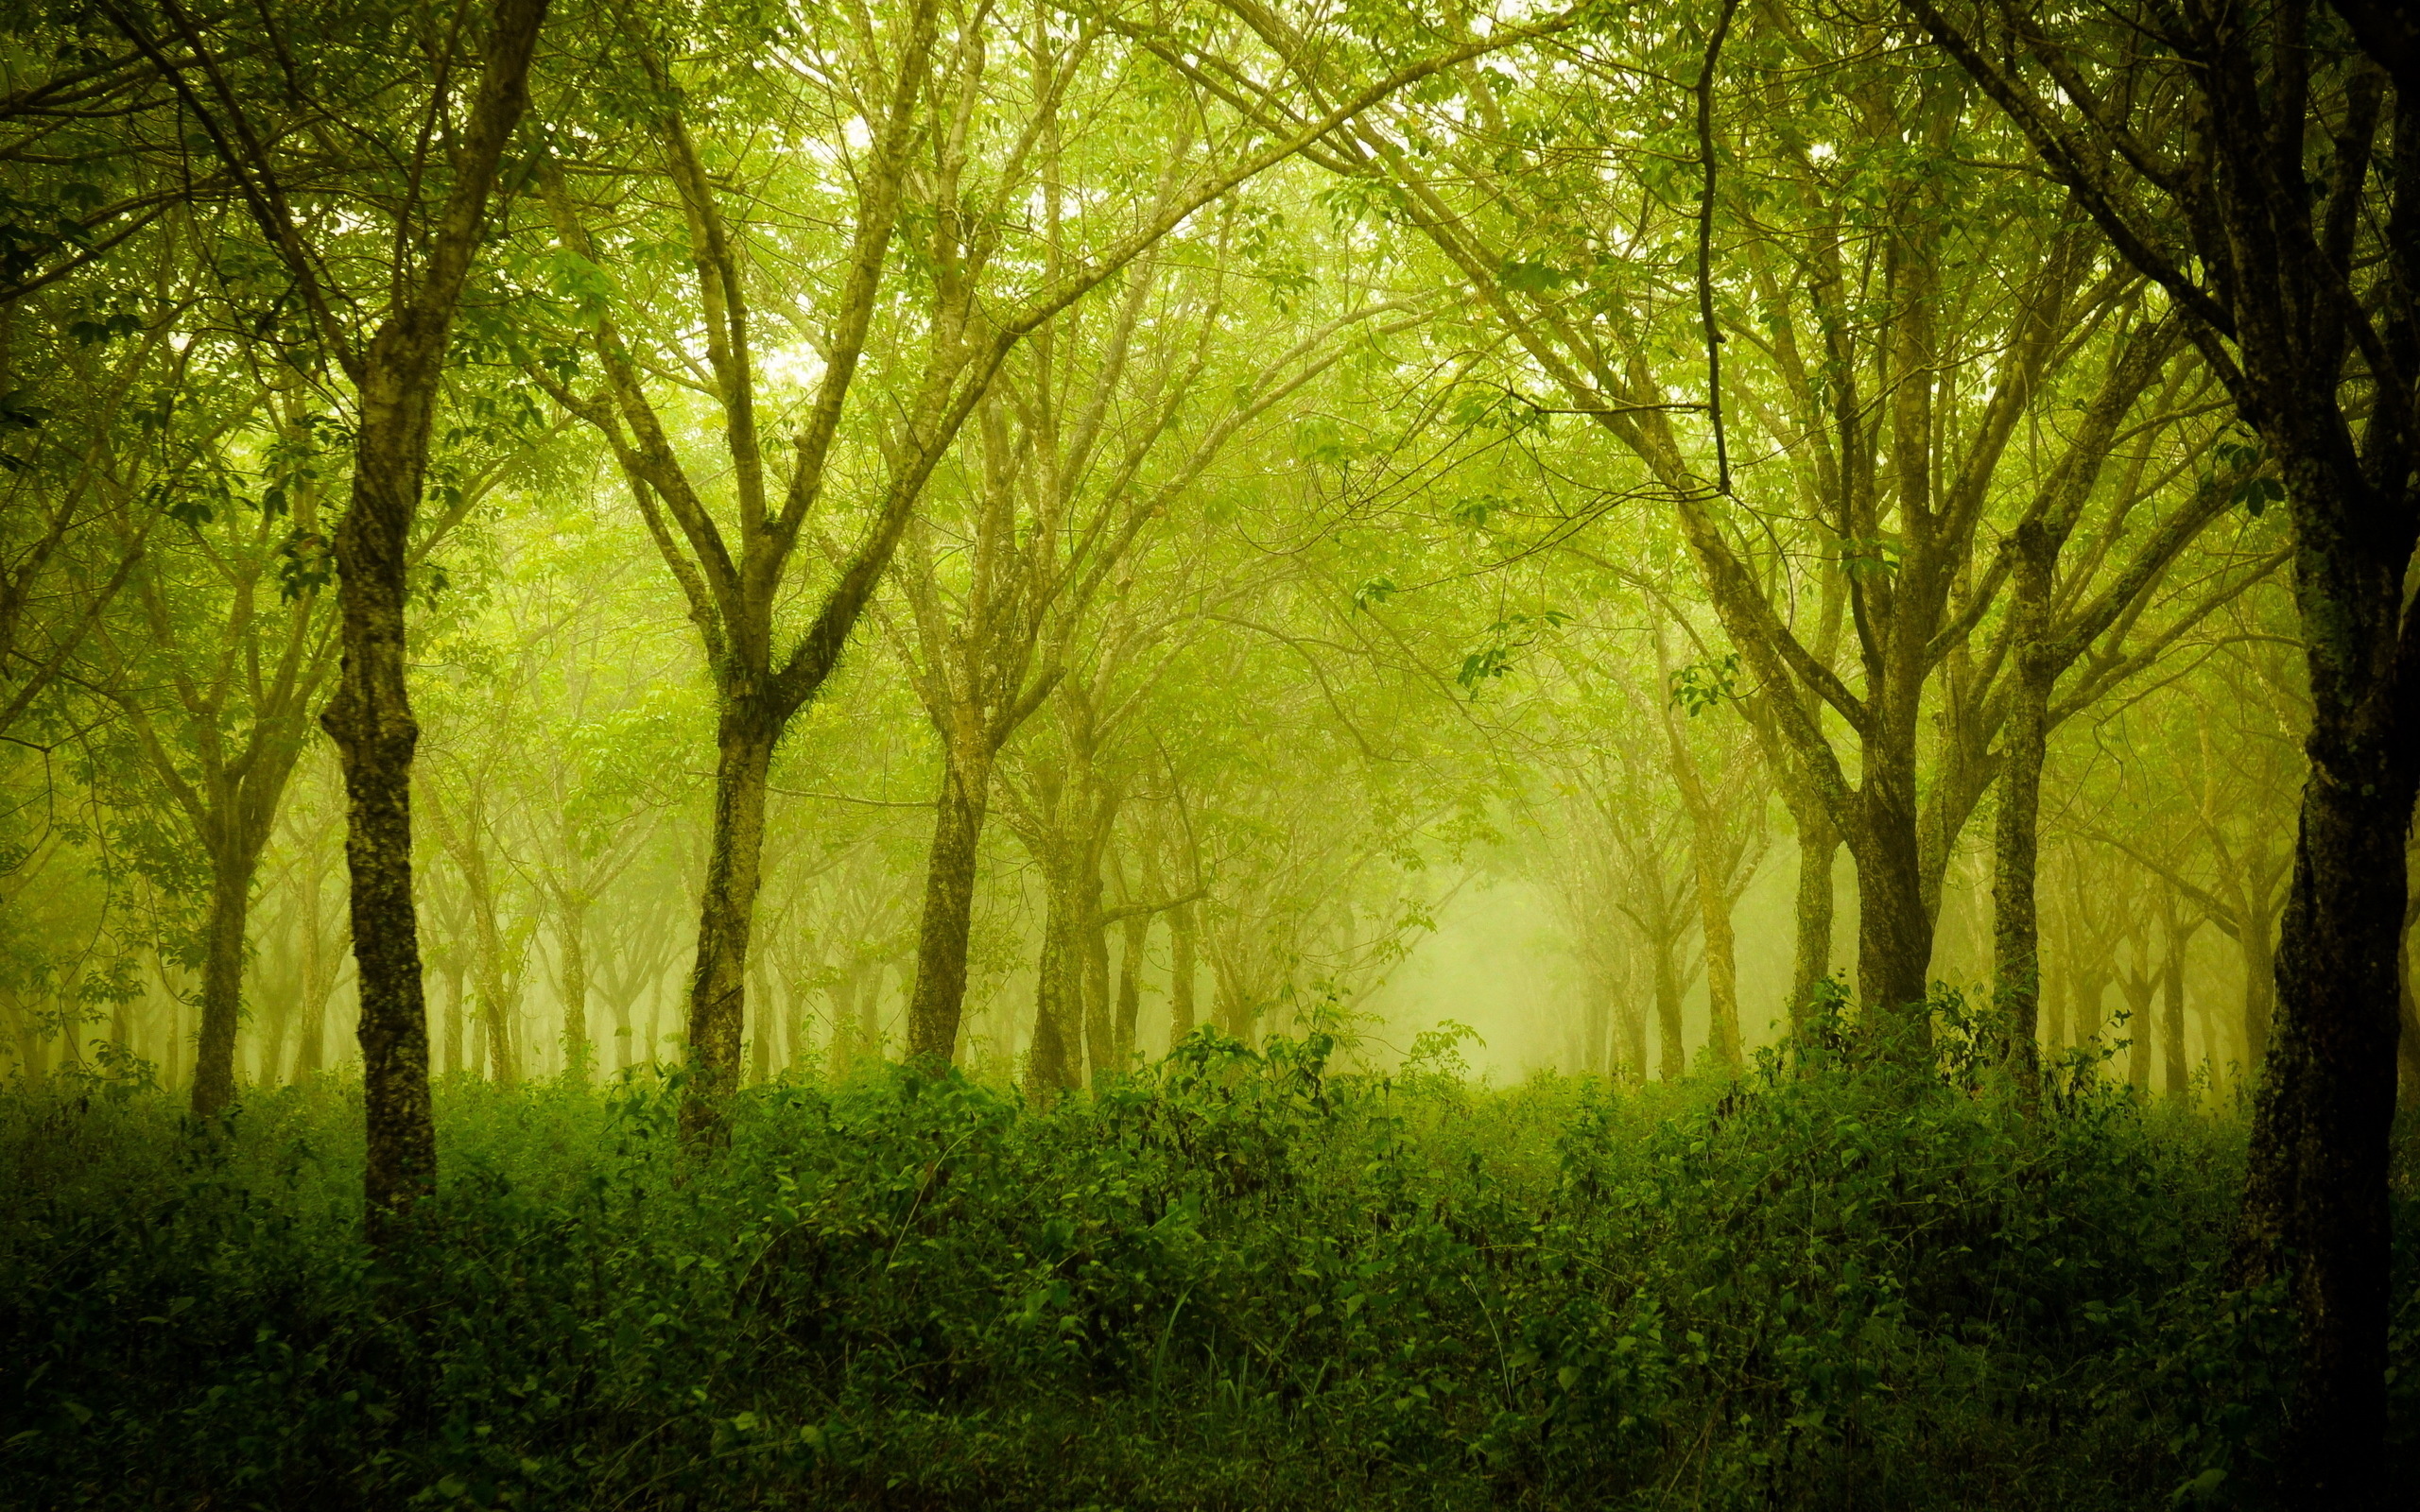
(1239, 1278)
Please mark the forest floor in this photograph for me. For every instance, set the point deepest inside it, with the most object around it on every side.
(1235, 1281)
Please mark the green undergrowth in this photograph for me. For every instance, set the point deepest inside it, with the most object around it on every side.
(1237, 1279)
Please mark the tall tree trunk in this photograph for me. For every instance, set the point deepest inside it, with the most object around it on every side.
(1818, 846)
(870, 1037)
(1182, 969)
(1058, 1006)
(1630, 1020)
(222, 982)
(1100, 1038)
(2260, 989)
(942, 932)
(2175, 1077)
(844, 1019)
(2017, 944)
(579, 1054)
(1667, 1011)
(315, 984)
(760, 1026)
(718, 985)
(2316, 1204)
(456, 1059)
(1135, 939)
(1722, 959)
(2091, 983)
(370, 718)
(2140, 987)
(2055, 986)
(1895, 928)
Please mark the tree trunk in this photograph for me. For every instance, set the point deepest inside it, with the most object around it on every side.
(760, 1026)
(718, 984)
(2260, 989)
(1182, 969)
(222, 983)
(2139, 987)
(370, 718)
(312, 1029)
(2315, 1201)
(2016, 944)
(2091, 983)
(1101, 1039)
(455, 1057)
(1058, 1008)
(1136, 937)
(2055, 986)
(1667, 1012)
(1818, 846)
(844, 1018)
(1721, 956)
(1895, 928)
(579, 1054)
(2175, 1077)
(1631, 1025)
(625, 1037)
(942, 932)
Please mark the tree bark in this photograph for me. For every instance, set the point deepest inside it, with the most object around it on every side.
(1894, 926)
(942, 932)
(1091, 935)
(1818, 846)
(2176, 1078)
(1667, 1012)
(222, 985)
(370, 718)
(2316, 1205)
(727, 910)
(579, 1054)
(1058, 1008)
(2140, 987)
(2016, 942)
(1137, 934)
(1182, 966)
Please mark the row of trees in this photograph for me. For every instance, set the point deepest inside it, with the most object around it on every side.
(1269, 451)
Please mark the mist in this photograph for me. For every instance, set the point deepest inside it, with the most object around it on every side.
(1029, 754)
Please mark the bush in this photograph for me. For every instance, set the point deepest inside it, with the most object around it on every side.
(1237, 1279)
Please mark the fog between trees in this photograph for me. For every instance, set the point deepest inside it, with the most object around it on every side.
(1010, 535)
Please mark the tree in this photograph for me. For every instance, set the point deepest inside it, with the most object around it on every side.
(2232, 155)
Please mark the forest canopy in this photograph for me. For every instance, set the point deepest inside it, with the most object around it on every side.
(1641, 753)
